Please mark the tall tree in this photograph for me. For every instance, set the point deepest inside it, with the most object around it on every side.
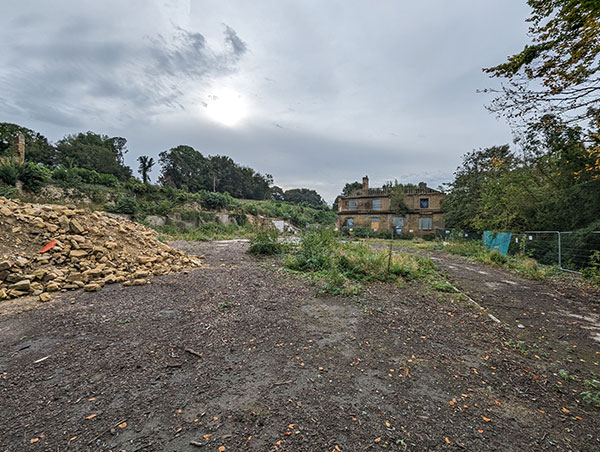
(93, 151)
(146, 164)
(184, 167)
(351, 187)
(303, 195)
(559, 72)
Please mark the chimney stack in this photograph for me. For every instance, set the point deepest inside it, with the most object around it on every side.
(365, 186)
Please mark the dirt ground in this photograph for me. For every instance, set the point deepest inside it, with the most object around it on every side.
(243, 356)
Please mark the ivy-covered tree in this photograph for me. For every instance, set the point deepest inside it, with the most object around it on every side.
(37, 147)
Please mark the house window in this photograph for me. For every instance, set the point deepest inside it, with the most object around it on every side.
(377, 204)
(424, 203)
(350, 222)
(425, 223)
(375, 224)
(352, 204)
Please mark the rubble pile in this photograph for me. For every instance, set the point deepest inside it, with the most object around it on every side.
(51, 248)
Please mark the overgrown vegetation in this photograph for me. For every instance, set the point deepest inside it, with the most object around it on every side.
(265, 243)
(346, 267)
(477, 252)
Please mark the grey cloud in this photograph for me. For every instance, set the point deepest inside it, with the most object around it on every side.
(239, 47)
(114, 77)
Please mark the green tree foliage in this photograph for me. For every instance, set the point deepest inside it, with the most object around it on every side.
(37, 148)
(146, 164)
(351, 187)
(277, 193)
(559, 72)
(398, 200)
(94, 152)
(303, 195)
(184, 167)
(554, 184)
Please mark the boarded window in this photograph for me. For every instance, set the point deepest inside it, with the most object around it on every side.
(375, 224)
(377, 204)
(425, 223)
(352, 204)
(350, 222)
(424, 203)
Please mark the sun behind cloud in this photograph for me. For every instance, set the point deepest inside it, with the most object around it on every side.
(226, 106)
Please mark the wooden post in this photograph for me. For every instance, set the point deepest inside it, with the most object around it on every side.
(390, 252)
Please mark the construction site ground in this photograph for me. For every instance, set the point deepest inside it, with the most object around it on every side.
(240, 355)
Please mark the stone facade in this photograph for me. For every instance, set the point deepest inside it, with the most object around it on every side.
(370, 208)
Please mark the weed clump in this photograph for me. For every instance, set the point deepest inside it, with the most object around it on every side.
(265, 243)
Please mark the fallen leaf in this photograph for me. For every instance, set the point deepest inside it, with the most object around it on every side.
(486, 419)
(288, 433)
(291, 425)
(34, 440)
(480, 431)
(208, 435)
(387, 424)
(447, 440)
(73, 438)
(564, 410)
(91, 416)
(122, 425)
(377, 440)
(221, 448)
(91, 399)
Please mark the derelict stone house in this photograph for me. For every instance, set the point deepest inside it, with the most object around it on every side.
(370, 207)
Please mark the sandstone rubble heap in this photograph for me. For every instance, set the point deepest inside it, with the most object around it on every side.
(92, 249)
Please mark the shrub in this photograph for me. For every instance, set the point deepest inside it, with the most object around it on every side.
(361, 232)
(315, 251)
(109, 180)
(498, 258)
(265, 243)
(33, 176)
(592, 273)
(86, 175)
(215, 201)
(9, 174)
(125, 205)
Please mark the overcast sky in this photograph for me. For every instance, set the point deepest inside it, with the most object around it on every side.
(317, 93)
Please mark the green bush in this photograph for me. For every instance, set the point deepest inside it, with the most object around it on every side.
(498, 258)
(87, 176)
(215, 201)
(265, 243)
(9, 173)
(125, 205)
(33, 176)
(592, 273)
(361, 232)
(315, 252)
(109, 180)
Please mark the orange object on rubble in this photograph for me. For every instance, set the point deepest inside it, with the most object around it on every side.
(51, 244)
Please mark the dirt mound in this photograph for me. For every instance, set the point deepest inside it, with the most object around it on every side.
(50, 248)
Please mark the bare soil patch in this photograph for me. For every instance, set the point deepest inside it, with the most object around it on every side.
(244, 356)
